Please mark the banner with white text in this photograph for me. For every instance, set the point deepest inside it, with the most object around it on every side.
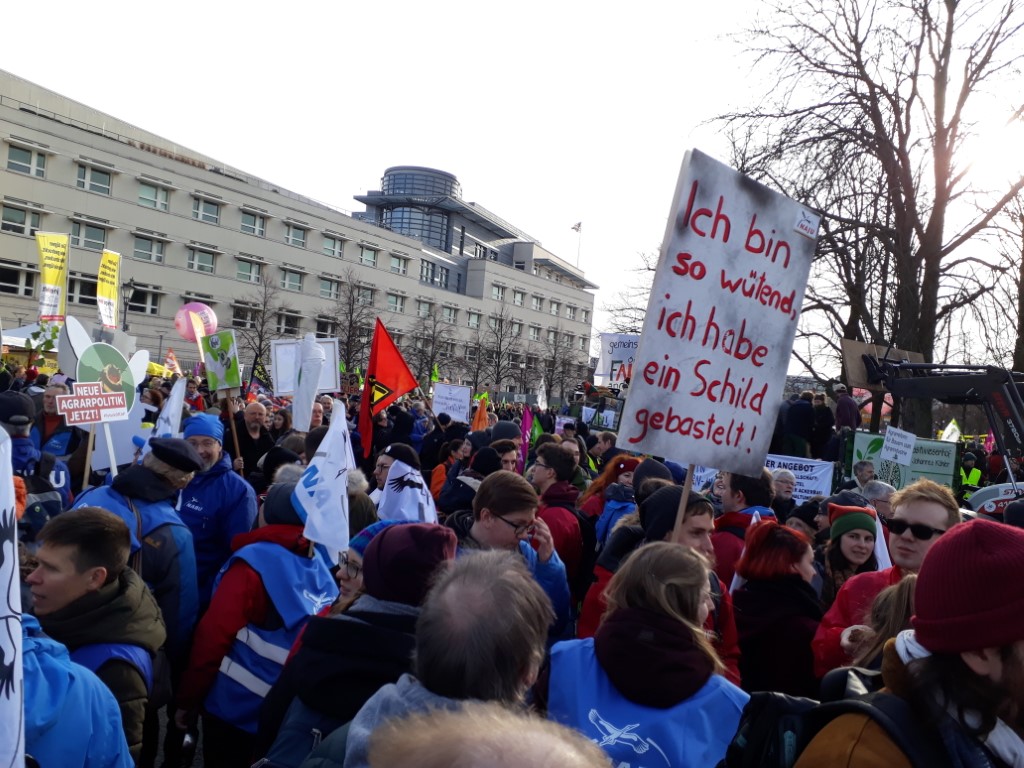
(716, 343)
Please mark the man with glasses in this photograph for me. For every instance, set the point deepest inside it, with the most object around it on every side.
(504, 516)
(552, 476)
(879, 495)
(922, 512)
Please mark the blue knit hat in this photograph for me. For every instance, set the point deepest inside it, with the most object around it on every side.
(361, 540)
(204, 425)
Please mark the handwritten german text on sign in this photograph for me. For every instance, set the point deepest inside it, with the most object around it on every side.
(898, 446)
(716, 342)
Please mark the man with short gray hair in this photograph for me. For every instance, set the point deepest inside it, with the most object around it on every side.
(879, 493)
(481, 636)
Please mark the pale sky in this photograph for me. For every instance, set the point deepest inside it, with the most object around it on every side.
(549, 113)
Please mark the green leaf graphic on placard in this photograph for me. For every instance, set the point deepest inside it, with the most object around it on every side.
(875, 446)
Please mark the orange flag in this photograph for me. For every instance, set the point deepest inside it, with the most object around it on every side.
(480, 417)
(387, 379)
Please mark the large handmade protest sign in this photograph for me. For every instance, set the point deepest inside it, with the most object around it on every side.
(709, 373)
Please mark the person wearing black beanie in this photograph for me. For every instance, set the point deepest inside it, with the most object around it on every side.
(269, 587)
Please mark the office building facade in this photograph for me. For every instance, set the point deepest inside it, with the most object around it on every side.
(454, 283)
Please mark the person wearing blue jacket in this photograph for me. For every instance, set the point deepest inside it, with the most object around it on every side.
(504, 516)
(16, 414)
(217, 505)
(63, 703)
(143, 496)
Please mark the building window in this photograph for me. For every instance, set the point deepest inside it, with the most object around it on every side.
(295, 235)
(148, 249)
(146, 302)
(21, 160)
(82, 291)
(16, 280)
(329, 289)
(201, 261)
(88, 236)
(426, 271)
(555, 308)
(288, 323)
(333, 246)
(570, 312)
(365, 296)
(473, 319)
(367, 256)
(423, 308)
(399, 265)
(206, 210)
(518, 298)
(326, 328)
(450, 315)
(552, 337)
(583, 343)
(479, 251)
(152, 196)
(249, 271)
(93, 180)
(254, 224)
(291, 280)
(585, 315)
(517, 329)
(471, 353)
(243, 317)
(19, 221)
(534, 333)
(537, 303)
(498, 292)
(365, 334)
(441, 280)
(396, 303)
(570, 340)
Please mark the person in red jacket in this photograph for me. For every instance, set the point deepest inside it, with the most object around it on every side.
(552, 476)
(742, 497)
(922, 512)
(657, 520)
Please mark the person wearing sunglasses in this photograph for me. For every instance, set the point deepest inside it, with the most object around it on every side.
(922, 513)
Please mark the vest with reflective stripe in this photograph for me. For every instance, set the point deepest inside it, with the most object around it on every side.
(298, 587)
(694, 732)
(94, 656)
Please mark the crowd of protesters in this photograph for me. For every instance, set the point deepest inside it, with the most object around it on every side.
(556, 600)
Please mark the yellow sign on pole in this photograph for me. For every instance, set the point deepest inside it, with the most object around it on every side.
(53, 269)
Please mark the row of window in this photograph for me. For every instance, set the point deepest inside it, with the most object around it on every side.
(499, 293)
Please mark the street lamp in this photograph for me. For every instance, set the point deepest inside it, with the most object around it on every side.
(127, 289)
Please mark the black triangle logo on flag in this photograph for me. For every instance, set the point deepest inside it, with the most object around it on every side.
(377, 392)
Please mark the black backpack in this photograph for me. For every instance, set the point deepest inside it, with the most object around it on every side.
(43, 501)
(775, 729)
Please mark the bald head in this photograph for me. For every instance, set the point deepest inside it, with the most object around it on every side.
(255, 414)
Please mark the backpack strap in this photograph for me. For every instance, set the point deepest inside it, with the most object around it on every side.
(136, 559)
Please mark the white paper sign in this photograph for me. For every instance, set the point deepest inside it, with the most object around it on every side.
(709, 374)
(452, 399)
(898, 446)
(285, 358)
(615, 362)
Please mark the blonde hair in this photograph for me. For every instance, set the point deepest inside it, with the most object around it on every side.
(889, 615)
(930, 491)
(481, 735)
(668, 579)
(174, 477)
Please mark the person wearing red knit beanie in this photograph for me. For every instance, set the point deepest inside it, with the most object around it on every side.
(960, 669)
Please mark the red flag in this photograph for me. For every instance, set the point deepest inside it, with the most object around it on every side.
(387, 379)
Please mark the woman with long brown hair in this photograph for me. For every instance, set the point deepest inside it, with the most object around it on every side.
(649, 680)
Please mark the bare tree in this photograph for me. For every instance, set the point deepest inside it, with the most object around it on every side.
(629, 307)
(564, 367)
(429, 344)
(501, 345)
(884, 89)
(256, 322)
(471, 360)
(353, 314)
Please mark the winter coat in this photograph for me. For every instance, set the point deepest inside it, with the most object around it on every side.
(459, 489)
(393, 701)
(216, 506)
(438, 477)
(240, 600)
(856, 741)
(550, 575)
(643, 669)
(777, 620)
(123, 611)
(847, 412)
(61, 442)
(168, 556)
(852, 606)
(24, 456)
(730, 529)
(619, 502)
(720, 624)
(555, 508)
(342, 661)
(63, 701)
